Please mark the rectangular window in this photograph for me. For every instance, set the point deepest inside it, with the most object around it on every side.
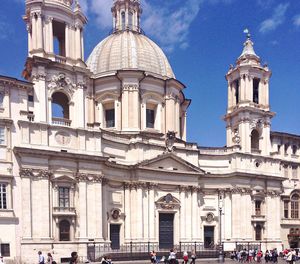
(5, 250)
(2, 136)
(294, 172)
(64, 197)
(3, 196)
(257, 208)
(150, 118)
(237, 91)
(1, 99)
(286, 209)
(256, 82)
(30, 98)
(294, 209)
(110, 117)
(59, 38)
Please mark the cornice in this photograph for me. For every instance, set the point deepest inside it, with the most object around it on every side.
(56, 154)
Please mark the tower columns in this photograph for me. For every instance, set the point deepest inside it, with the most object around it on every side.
(248, 116)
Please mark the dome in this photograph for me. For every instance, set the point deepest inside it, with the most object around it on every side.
(129, 50)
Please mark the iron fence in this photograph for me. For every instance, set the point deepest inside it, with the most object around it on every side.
(141, 250)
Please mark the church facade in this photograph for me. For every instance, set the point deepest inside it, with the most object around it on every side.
(96, 151)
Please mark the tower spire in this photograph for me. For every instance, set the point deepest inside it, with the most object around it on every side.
(126, 15)
(248, 54)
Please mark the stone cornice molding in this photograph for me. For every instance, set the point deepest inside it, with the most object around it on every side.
(130, 87)
(36, 174)
(86, 177)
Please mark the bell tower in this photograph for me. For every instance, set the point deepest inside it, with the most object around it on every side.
(126, 15)
(248, 117)
(55, 30)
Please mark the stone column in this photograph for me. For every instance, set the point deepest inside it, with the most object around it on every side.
(140, 213)
(227, 216)
(34, 31)
(67, 40)
(82, 212)
(29, 37)
(82, 44)
(26, 204)
(127, 224)
(77, 42)
(183, 224)
(152, 223)
(50, 36)
(39, 31)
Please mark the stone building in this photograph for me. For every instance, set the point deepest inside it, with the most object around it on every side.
(96, 151)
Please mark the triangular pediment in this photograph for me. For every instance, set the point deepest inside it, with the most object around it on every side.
(170, 162)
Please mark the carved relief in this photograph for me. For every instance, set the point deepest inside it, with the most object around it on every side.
(168, 202)
(61, 82)
(256, 124)
(85, 177)
(210, 217)
(63, 138)
(236, 138)
(241, 191)
(170, 140)
(35, 173)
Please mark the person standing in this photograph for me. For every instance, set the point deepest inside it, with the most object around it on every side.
(41, 258)
(153, 256)
(193, 257)
(1, 260)
(74, 258)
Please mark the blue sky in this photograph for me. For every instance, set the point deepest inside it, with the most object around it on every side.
(201, 39)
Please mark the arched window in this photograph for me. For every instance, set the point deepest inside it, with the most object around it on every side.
(258, 230)
(130, 20)
(295, 206)
(64, 230)
(286, 147)
(254, 140)
(60, 109)
(294, 146)
(123, 20)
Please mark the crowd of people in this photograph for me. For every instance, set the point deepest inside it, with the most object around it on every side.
(269, 256)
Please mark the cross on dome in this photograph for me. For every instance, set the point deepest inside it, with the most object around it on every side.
(126, 15)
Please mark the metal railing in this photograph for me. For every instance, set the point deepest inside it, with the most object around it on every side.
(141, 250)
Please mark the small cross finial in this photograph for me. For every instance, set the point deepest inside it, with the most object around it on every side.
(247, 32)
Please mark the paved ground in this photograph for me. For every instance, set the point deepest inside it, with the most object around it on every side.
(199, 261)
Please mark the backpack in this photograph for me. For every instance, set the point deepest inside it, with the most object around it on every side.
(185, 258)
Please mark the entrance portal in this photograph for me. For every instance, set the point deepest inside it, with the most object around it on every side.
(166, 231)
(115, 236)
(209, 234)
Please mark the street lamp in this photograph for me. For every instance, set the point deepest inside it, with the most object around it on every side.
(221, 253)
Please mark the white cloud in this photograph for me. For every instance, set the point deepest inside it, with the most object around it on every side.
(265, 3)
(297, 20)
(275, 20)
(170, 26)
(102, 10)
(167, 22)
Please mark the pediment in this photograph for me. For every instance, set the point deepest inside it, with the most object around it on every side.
(63, 178)
(170, 162)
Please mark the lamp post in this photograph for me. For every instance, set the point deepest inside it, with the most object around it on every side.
(221, 254)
